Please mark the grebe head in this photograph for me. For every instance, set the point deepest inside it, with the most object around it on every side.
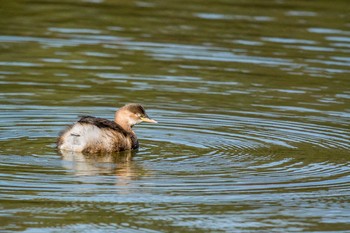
(130, 115)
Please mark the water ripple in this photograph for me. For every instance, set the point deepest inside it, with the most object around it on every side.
(252, 103)
(220, 132)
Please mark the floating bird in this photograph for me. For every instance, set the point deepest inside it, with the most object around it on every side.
(98, 135)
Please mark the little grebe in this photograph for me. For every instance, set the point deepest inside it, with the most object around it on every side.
(99, 135)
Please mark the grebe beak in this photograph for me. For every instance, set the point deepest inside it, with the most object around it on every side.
(149, 120)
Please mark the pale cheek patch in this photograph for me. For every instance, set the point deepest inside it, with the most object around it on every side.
(133, 121)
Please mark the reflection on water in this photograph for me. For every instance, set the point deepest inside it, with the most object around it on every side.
(120, 165)
(83, 164)
(252, 99)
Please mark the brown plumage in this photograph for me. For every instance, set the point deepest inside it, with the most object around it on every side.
(99, 135)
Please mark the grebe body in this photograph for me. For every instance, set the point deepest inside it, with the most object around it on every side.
(99, 135)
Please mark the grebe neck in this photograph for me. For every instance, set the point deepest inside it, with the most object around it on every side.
(123, 122)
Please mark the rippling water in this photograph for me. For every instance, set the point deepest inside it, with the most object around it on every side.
(252, 99)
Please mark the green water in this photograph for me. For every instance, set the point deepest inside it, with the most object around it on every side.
(252, 100)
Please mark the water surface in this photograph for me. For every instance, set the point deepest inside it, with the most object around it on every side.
(252, 99)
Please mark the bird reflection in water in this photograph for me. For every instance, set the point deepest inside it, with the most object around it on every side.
(120, 164)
